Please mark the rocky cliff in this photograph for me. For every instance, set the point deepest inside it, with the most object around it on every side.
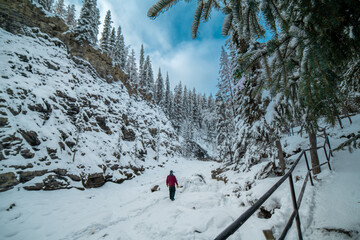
(68, 118)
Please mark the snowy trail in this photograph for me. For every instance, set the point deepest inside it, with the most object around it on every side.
(125, 211)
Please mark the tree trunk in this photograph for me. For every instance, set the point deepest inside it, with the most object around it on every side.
(281, 156)
(313, 153)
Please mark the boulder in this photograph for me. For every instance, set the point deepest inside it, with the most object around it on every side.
(27, 176)
(94, 180)
(55, 182)
(7, 181)
(26, 153)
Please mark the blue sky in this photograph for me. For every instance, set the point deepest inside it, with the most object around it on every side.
(167, 40)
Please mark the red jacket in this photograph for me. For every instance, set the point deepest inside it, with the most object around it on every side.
(171, 181)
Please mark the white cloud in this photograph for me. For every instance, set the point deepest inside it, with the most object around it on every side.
(194, 63)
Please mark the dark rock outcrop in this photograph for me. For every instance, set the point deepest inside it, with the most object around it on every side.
(31, 137)
(7, 181)
(94, 180)
(29, 175)
(128, 134)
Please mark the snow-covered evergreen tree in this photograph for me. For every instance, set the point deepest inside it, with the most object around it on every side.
(195, 111)
(70, 16)
(142, 71)
(59, 8)
(141, 65)
(167, 97)
(131, 68)
(106, 34)
(226, 80)
(87, 27)
(159, 90)
(224, 130)
(112, 41)
(177, 106)
(119, 51)
(149, 77)
(186, 103)
(46, 4)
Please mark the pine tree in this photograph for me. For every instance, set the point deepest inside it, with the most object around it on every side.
(159, 90)
(106, 34)
(177, 106)
(119, 51)
(142, 70)
(168, 99)
(70, 16)
(186, 103)
(59, 8)
(131, 68)
(141, 64)
(112, 42)
(226, 80)
(195, 109)
(46, 4)
(149, 77)
(225, 131)
(87, 27)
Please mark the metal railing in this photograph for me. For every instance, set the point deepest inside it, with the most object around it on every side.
(232, 228)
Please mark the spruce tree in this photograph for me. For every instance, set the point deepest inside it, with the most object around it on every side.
(186, 103)
(87, 27)
(131, 69)
(159, 90)
(119, 51)
(195, 111)
(112, 42)
(46, 4)
(70, 16)
(178, 106)
(142, 70)
(149, 77)
(168, 100)
(141, 64)
(106, 34)
(59, 8)
(224, 130)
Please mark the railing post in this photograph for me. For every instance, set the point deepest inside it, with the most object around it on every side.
(308, 167)
(327, 157)
(295, 206)
(328, 142)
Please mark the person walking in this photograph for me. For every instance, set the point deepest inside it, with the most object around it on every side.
(170, 182)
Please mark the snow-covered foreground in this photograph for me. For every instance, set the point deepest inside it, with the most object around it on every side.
(203, 206)
(126, 211)
(201, 209)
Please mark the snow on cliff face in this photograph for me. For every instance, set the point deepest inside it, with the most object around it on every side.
(61, 121)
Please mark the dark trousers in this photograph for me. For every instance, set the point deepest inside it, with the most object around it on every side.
(172, 190)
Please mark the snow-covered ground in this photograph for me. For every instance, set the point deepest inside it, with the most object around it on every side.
(202, 209)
